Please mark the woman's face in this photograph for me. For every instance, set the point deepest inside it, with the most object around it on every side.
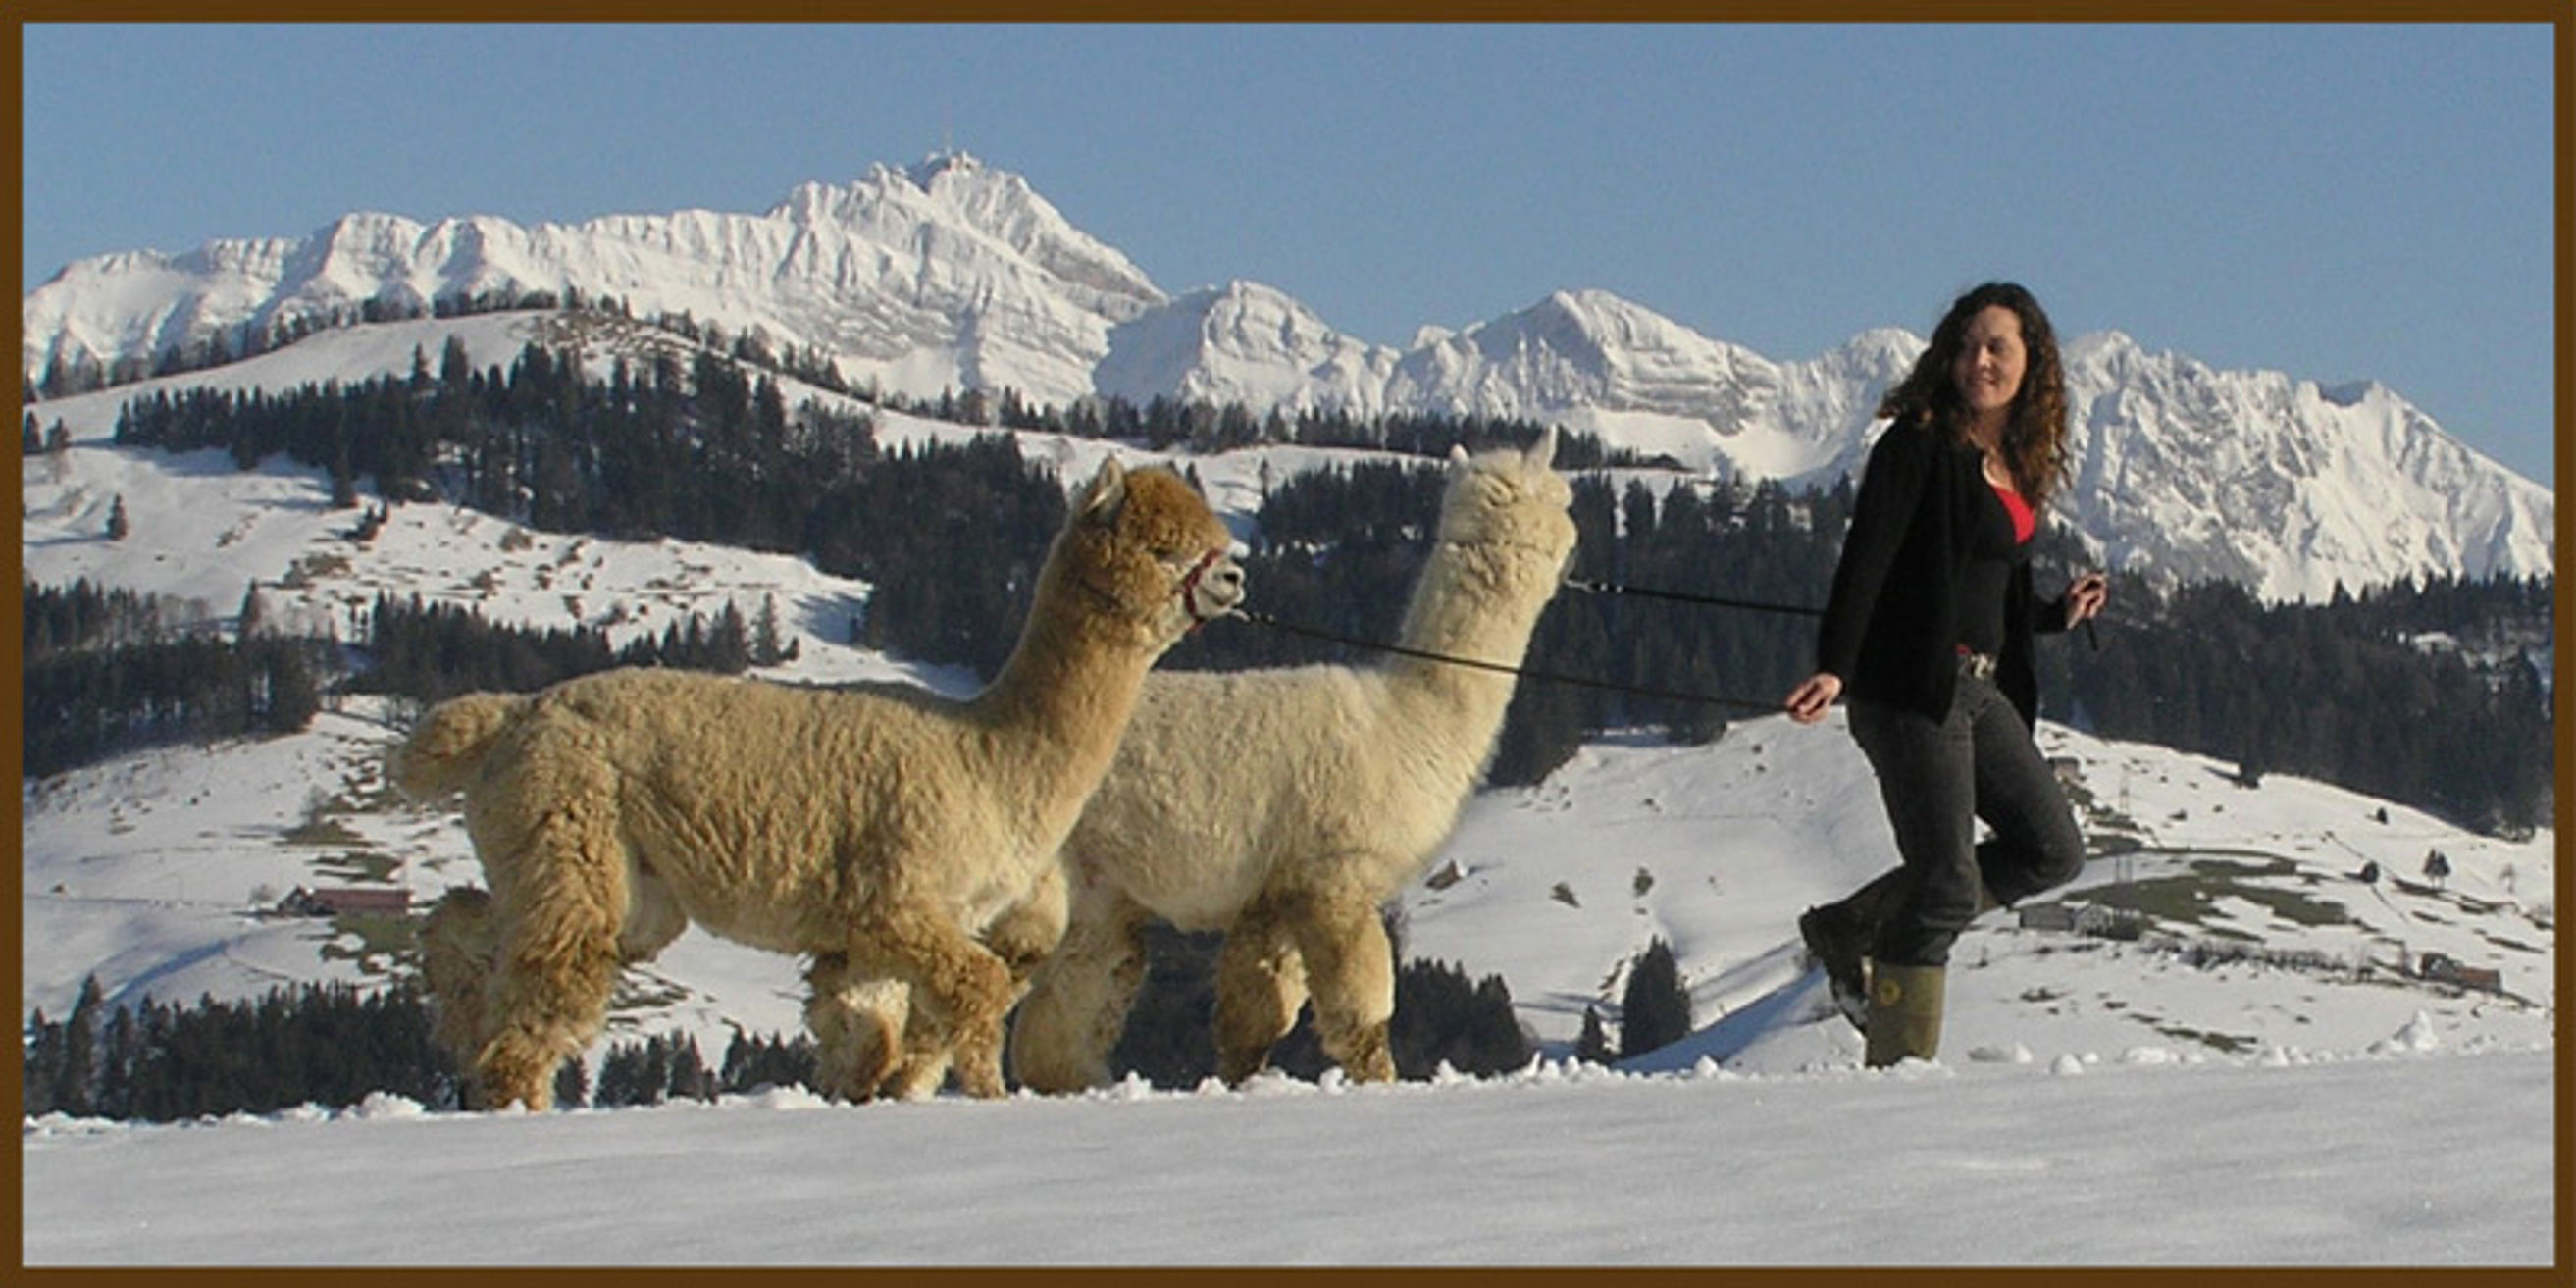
(1990, 363)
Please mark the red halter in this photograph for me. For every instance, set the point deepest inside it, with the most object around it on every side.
(1190, 588)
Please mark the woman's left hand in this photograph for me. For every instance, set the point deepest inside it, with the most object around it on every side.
(1806, 704)
(2085, 598)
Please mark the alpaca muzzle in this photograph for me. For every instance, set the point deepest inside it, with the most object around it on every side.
(1211, 588)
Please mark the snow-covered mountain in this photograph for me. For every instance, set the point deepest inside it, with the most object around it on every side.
(952, 274)
(946, 274)
(2282, 484)
(1243, 343)
(1607, 365)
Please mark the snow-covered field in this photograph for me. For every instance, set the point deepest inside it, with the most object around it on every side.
(2435, 1158)
(2097, 1102)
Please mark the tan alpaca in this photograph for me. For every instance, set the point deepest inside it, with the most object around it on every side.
(881, 830)
(1285, 806)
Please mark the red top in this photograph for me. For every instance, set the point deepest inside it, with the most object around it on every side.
(2024, 522)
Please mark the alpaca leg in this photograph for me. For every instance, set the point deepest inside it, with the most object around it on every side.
(559, 900)
(1078, 1001)
(456, 954)
(857, 1025)
(1029, 930)
(1260, 987)
(960, 993)
(1351, 968)
(923, 1070)
(907, 1046)
(926, 1046)
(1021, 937)
(551, 1005)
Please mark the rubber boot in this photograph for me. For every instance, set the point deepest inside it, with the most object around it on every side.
(1904, 1013)
(1838, 936)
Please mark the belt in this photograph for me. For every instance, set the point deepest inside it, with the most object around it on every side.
(1976, 665)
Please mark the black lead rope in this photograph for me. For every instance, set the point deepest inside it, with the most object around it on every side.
(2092, 638)
(1685, 597)
(1551, 677)
(1583, 682)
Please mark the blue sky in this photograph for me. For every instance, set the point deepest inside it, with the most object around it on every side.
(2339, 202)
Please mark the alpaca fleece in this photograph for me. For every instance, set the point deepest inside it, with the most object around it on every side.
(880, 830)
(1285, 806)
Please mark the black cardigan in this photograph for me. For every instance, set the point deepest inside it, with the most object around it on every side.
(1890, 629)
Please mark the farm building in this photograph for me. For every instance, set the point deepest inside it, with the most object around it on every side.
(336, 901)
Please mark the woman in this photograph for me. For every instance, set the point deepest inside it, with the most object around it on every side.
(1928, 632)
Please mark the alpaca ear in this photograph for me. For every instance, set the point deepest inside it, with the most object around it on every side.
(1542, 453)
(1106, 491)
(1458, 455)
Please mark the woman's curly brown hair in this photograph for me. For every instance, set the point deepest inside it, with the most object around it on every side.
(2034, 438)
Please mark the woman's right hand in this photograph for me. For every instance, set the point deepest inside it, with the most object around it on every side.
(1807, 703)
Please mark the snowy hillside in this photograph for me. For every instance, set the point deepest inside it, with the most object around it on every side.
(2299, 1095)
(1716, 847)
(950, 274)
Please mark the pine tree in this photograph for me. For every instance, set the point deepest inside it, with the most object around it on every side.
(572, 1084)
(1593, 1045)
(689, 1076)
(621, 1077)
(1496, 1041)
(653, 1078)
(294, 697)
(41, 1074)
(76, 1078)
(1655, 1010)
(120, 1060)
(765, 647)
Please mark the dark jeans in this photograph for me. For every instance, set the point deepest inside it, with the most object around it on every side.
(1937, 780)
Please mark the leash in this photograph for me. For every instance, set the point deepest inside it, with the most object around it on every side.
(1765, 706)
(1686, 597)
(1523, 672)
(2092, 637)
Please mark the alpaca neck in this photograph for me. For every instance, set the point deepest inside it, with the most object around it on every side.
(1068, 688)
(1458, 614)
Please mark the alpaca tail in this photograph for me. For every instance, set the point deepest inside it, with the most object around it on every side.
(450, 743)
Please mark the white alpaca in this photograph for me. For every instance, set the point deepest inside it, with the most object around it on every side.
(879, 829)
(1285, 806)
